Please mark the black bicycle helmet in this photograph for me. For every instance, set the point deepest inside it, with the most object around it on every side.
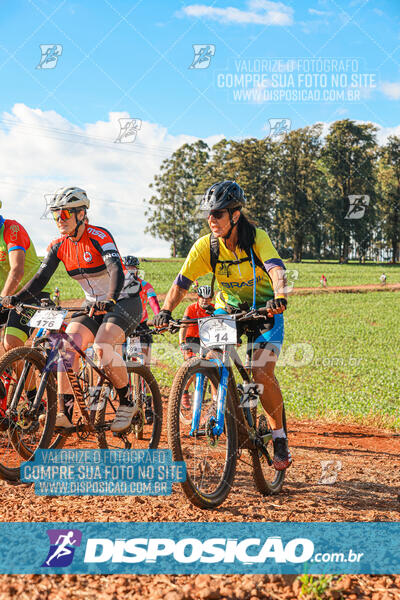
(226, 194)
(131, 261)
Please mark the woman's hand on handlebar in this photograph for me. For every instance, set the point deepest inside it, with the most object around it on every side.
(276, 306)
(103, 306)
(9, 301)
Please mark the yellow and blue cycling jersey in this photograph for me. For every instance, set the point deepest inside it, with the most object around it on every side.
(234, 281)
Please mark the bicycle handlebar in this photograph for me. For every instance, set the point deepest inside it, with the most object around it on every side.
(82, 310)
(259, 313)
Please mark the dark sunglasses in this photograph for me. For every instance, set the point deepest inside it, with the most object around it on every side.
(217, 214)
(62, 215)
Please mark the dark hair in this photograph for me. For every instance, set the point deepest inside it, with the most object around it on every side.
(246, 232)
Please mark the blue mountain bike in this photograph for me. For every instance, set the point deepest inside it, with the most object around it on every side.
(222, 418)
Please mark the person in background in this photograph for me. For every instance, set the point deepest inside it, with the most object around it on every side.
(189, 337)
(18, 263)
(147, 295)
(383, 279)
(323, 281)
(56, 296)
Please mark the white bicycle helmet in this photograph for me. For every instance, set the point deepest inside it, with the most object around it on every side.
(69, 197)
(204, 291)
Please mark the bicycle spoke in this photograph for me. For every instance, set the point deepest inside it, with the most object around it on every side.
(21, 430)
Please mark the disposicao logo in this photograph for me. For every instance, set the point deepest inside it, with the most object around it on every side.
(62, 547)
(190, 550)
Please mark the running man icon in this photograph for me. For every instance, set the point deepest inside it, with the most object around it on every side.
(62, 547)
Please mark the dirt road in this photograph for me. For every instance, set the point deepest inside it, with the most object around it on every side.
(367, 489)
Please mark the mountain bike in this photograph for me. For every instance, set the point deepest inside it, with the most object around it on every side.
(34, 369)
(218, 430)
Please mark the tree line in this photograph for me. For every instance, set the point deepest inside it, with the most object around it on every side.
(318, 197)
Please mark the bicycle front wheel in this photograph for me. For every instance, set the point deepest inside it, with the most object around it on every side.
(210, 460)
(266, 479)
(21, 433)
(145, 429)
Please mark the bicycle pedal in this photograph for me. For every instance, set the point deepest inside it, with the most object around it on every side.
(65, 430)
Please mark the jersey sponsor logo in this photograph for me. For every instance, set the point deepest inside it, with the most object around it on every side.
(3, 255)
(14, 229)
(111, 254)
(87, 256)
(100, 234)
(239, 284)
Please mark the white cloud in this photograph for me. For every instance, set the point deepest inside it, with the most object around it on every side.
(260, 12)
(41, 151)
(319, 13)
(391, 89)
(385, 132)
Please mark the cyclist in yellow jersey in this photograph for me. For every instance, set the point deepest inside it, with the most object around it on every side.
(249, 272)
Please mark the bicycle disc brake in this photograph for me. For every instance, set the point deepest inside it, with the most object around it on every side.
(212, 439)
(137, 421)
(24, 419)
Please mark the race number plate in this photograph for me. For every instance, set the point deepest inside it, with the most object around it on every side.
(134, 346)
(47, 319)
(217, 331)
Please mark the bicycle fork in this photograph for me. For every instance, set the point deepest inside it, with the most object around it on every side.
(218, 424)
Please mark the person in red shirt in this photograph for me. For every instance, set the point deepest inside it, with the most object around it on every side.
(147, 295)
(91, 257)
(189, 337)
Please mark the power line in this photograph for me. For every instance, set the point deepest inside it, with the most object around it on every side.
(160, 150)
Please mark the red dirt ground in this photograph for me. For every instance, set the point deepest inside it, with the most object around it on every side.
(367, 489)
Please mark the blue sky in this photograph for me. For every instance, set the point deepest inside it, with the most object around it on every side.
(132, 59)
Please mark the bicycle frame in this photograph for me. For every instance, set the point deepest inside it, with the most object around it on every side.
(229, 352)
(72, 377)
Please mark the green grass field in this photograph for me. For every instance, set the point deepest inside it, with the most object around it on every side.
(161, 274)
(339, 361)
(340, 357)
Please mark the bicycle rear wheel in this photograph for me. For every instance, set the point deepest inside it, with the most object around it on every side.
(266, 478)
(210, 461)
(145, 430)
(20, 432)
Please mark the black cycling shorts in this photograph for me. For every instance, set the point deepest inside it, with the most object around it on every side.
(143, 332)
(17, 323)
(127, 314)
